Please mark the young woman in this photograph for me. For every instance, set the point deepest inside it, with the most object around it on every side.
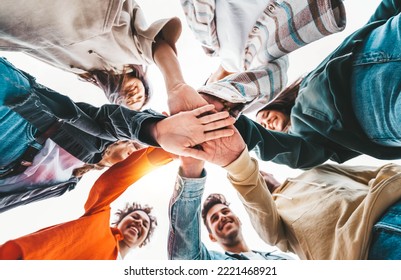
(348, 106)
(105, 42)
(276, 114)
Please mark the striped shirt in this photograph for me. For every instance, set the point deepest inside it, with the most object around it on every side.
(283, 27)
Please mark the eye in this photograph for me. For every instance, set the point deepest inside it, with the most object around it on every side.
(213, 218)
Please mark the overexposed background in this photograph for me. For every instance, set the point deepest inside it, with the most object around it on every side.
(155, 189)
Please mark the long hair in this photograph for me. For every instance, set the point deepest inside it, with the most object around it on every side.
(285, 100)
(112, 83)
(81, 171)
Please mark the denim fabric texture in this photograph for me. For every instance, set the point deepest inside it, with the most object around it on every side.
(386, 234)
(85, 131)
(376, 86)
(184, 239)
(16, 133)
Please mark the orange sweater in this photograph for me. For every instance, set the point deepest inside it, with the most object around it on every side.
(90, 236)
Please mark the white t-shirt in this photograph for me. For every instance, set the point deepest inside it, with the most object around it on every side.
(234, 21)
(51, 165)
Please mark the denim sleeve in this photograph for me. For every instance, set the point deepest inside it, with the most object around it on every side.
(184, 238)
(283, 148)
(119, 122)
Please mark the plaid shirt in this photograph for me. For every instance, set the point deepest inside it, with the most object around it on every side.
(283, 27)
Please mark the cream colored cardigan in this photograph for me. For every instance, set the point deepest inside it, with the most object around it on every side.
(325, 213)
(78, 36)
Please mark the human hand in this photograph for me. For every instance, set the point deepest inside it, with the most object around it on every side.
(183, 97)
(180, 133)
(221, 151)
(270, 181)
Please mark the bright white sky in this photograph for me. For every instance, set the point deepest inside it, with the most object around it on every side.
(156, 188)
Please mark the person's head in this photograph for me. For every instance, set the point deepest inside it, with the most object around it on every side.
(222, 224)
(130, 88)
(119, 151)
(114, 153)
(136, 224)
(277, 114)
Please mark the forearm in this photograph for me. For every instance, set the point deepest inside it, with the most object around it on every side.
(168, 64)
(184, 240)
(112, 183)
(244, 176)
(282, 148)
(259, 85)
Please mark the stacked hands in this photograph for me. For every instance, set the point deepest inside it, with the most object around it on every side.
(196, 129)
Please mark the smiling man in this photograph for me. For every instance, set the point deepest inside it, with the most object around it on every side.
(224, 226)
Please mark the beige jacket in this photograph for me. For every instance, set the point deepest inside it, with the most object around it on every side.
(78, 36)
(325, 213)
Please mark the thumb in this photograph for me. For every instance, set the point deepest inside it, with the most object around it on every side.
(194, 153)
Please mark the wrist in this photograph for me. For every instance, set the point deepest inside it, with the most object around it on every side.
(191, 170)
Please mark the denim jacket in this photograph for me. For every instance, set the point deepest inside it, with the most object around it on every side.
(323, 125)
(184, 239)
(84, 132)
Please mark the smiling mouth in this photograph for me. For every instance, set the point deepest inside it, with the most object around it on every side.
(135, 230)
(224, 223)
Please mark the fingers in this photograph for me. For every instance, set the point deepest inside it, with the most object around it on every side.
(204, 109)
(219, 124)
(215, 134)
(214, 117)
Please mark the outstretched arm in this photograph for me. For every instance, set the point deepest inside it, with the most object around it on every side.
(181, 97)
(184, 240)
(112, 183)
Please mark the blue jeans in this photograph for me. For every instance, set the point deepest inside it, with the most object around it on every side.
(386, 235)
(376, 84)
(16, 134)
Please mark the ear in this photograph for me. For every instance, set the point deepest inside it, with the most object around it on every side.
(212, 238)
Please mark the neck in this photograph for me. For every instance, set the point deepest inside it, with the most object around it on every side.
(236, 247)
(123, 249)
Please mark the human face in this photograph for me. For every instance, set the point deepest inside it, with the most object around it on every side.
(119, 151)
(273, 120)
(134, 94)
(224, 225)
(135, 228)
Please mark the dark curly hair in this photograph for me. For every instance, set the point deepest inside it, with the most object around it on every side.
(112, 83)
(128, 209)
(210, 201)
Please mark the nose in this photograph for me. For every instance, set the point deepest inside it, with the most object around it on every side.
(138, 221)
